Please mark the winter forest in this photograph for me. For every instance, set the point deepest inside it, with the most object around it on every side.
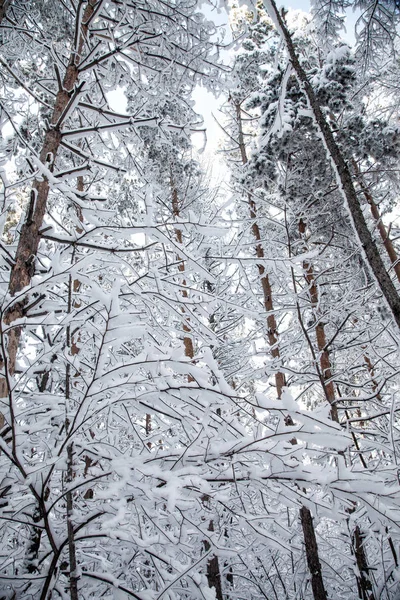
(199, 300)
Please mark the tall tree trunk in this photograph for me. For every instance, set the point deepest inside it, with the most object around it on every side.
(387, 242)
(74, 287)
(313, 562)
(187, 340)
(213, 570)
(340, 166)
(4, 4)
(272, 332)
(73, 574)
(28, 243)
(306, 519)
(307, 523)
(363, 582)
(324, 359)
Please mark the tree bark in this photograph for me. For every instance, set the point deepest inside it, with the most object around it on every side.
(74, 287)
(387, 242)
(345, 181)
(272, 332)
(364, 584)
(4, 4)
(34, 544)
(73, 575)
(187, 340)
(329, 390)
(324, 358)
(213, 571)
(28, 243)
(313, 561)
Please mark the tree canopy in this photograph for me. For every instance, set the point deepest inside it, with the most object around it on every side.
(198, 386)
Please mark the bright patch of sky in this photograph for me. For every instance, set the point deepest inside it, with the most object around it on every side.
(117, 100)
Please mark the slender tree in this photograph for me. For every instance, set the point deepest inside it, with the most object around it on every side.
(366, 241)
